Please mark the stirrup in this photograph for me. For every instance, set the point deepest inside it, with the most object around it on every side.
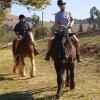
(47, 58)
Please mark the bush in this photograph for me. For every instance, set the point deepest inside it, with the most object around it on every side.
(42, 32)
(1, 32)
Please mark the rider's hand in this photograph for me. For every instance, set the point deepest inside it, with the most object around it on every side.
(69, 27)
(19, 37)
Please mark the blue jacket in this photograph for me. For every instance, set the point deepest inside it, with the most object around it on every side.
(63, 18)
(22, 28)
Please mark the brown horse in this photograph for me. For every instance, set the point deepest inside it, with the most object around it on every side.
(24, 49)
(63, 53)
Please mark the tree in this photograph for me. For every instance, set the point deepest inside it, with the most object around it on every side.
(81, 27)
(3, 11)
(35, 20)
(5, 5)
(95, 17)
(38, 4)
(2, 16)
(92, 16)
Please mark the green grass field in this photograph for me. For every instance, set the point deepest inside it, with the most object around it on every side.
(43, 86)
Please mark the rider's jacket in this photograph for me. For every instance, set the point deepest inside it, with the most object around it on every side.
(63, 18)
(22, 28)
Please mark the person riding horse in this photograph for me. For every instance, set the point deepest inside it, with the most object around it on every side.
(21, 28)
(64, 18)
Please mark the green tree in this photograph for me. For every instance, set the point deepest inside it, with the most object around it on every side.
(6, 5)
(35, 20)
(41, 32)
(38, 4)
(2, 17)
(94, 12)
(3, 11)
(81, 27)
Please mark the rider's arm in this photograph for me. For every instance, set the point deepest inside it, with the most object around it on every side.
(16, 30)
(57, 24)
(71, 20)
(17, 34)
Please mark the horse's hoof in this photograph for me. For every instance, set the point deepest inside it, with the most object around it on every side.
(72, 87)
(32, 76)
(20, 73)
(58, 97)
(67, 84)
(14, 71)
(23, 75)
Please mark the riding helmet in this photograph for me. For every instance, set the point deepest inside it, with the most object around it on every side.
(61, 2)
(21, 16)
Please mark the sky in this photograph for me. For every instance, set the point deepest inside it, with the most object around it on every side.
(79, 9)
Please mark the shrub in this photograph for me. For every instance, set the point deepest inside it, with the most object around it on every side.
(42, 32)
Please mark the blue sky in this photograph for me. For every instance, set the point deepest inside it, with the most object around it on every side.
(79, 9)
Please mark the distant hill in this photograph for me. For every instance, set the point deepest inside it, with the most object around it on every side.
(11, 20)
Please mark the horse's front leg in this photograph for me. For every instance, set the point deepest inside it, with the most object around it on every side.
(15, 65)
(71, 68)
(60, 69)
(67, 82)
(33, 68)
(22, 68)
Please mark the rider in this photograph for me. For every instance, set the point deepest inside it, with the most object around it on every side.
(64, 18)
(21, 28)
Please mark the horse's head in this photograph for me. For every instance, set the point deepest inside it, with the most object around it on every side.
(61, 41)
(61, 33)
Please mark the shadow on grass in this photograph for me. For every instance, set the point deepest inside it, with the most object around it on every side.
(17, 96)
(85, 34)
(4, 77)
(28, 95)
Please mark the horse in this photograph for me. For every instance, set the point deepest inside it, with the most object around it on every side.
(63, 53)
(23, 50)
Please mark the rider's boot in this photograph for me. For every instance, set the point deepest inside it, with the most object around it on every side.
(78, 57)
(35, 52)
(47, 58)
(33, 42)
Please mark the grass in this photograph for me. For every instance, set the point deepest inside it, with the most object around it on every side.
(43, 86)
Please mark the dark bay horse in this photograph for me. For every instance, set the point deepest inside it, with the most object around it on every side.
(24, 49)
(63, 54)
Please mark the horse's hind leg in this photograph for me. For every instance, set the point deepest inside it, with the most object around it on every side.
(33, 68)
(60, 80)
(71, 68)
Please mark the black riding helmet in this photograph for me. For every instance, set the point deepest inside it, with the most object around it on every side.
(61, 2)
(21, 16)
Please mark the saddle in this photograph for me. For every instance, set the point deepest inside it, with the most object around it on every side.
(17, 45)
